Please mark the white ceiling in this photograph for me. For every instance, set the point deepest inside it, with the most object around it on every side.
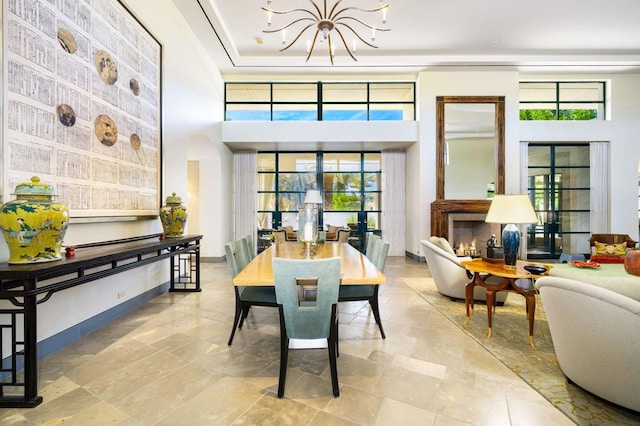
(541, 35)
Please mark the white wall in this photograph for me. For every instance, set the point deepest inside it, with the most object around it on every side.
(192, 110)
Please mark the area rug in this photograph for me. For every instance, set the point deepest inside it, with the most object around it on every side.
(537, 366)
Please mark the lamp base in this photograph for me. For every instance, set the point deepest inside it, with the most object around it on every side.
(510, 245)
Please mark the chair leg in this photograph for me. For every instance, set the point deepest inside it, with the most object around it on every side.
(284, 354)
(332, 346)
(245, 312)
(376, 310)
(236, 319)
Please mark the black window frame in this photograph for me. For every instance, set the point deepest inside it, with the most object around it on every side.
(319, 102)
(555, 104)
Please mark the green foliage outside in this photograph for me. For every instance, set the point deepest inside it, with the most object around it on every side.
(345, 201)
(564, 114)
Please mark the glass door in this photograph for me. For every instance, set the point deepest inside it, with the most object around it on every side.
(559, 180)
(350, 184)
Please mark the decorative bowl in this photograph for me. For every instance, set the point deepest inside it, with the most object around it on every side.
(535, 270)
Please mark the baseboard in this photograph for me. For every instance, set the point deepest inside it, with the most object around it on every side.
(212, 259)
(66, 337)
(415, 257)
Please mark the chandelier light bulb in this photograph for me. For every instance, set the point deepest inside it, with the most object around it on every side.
(308, 46)
(354, 46)
(373, 34)
(284, 36)
(269, 15)
(384, 16)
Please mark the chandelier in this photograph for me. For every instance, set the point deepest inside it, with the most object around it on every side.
(336, 21)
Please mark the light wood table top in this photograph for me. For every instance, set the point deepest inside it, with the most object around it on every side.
(355, 267)
(499, 270)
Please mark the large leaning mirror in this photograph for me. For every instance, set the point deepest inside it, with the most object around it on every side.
(469, 147)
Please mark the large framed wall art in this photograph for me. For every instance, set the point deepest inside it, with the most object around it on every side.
(82, 105)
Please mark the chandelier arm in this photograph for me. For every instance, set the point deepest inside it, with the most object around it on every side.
(346, 46)
(313, 44)
(360, 22)
(358, 35)
(297, 37)
(331, 15)
(320, 16)
(359, 9)
(284, 12)
(330, 49)
(290, 24)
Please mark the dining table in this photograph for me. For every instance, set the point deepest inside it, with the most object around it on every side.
(355, 267)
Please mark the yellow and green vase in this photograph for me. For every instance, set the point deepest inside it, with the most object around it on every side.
(173, 216)
(34, 224)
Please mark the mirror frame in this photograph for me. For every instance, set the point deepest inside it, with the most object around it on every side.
(498, 102)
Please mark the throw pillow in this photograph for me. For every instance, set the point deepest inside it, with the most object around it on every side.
(610, 249)
(603, 258)
(609, 253)
(443, 244)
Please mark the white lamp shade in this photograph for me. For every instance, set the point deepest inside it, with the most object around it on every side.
(312, 197)
(514, 208)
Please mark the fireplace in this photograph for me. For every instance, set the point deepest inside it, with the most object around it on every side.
(468, 233)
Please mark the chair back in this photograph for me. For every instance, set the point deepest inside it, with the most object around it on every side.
(236, 254)
(611, 239)
(381, 250)
(372, 238)
(250, 250)
(303, 321)
(279, 236)
(343, 235)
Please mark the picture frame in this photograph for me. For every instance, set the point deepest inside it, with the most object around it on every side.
(83, 106)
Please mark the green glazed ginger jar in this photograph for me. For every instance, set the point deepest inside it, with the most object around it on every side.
(34, 224)
(173, 216)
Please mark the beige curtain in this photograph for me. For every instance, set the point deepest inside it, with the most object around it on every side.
(245, 170)
(599, 184)
(393, 201)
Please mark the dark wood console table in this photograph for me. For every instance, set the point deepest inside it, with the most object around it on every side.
(26, 286)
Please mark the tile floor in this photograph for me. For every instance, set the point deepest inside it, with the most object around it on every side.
(168, 364)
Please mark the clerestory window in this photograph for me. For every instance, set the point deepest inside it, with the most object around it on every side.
(563, 100)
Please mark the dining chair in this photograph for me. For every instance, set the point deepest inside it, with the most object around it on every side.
(245, 296)
(250, 250)
(279, 236)
(343, 235)
(307, 319)
(353, 293)
(370, 246)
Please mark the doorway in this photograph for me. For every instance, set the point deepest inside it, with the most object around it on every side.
(350, 184)
(559, 189)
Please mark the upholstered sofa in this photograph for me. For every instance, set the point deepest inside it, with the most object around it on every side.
(595, 336)
(448, 274)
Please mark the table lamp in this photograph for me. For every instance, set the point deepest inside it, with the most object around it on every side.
(511, 210)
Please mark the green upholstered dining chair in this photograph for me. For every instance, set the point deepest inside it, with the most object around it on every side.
(352, 293)
(307, 319)
(371, 240)
(246, 297)
(249, 248)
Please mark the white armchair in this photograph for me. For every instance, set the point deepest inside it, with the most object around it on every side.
(448, 274)
(595, 337)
